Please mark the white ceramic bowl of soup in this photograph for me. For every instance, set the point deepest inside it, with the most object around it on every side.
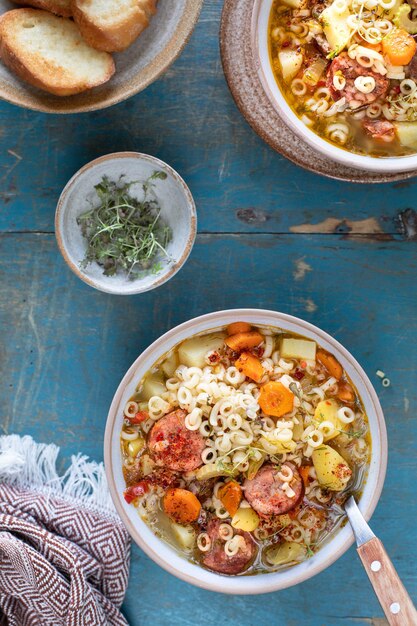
(160, 551)
(260, 46)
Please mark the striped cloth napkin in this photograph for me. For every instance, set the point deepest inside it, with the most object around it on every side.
(64, 553)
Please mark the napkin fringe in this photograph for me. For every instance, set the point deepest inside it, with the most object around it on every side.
(26, 464)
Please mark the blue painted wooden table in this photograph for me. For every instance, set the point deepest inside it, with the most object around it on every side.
(270, 235)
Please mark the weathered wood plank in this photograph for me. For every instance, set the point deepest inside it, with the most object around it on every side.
(189, 119)
(66, 347)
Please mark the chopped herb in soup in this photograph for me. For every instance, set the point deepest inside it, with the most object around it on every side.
(348, 69)
(240, 446)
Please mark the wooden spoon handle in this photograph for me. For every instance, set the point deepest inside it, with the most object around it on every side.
(397, 604)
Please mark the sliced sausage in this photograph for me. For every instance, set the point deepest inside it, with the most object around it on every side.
(351, 69)
(379, 130)
(216, 558)
(266, 493)
(175, 447)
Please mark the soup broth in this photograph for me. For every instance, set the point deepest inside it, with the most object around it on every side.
(348, 69)
(240, 446)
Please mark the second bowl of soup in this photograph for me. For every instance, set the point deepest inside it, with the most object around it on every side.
(233, 443)
(343, 75)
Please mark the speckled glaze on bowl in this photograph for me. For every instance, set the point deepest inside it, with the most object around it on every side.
(136, 68)
(162, 553)
(239, 50)
(177, 210)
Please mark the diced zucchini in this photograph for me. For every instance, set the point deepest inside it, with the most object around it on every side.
(277, 447)
(245, 519)
(184, 535)
(336, 28)
(326, 411)
(153, 385)
(332, 471)
(170, 365)
(290, 61)
(298, 349)
(254, 467)
(407, 134)
(284, 553)
(192, 352)
(212, 470)
(402, 19)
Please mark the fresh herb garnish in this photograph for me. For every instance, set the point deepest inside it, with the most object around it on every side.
(125, 234)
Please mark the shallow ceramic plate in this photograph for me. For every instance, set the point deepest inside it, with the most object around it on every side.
(242, 74)
(138, 66)
(177, 210)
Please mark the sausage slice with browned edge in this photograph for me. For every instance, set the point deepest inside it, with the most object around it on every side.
(216, 558)
(350, 69)
(266, 493)
(379, 130)
(173, 446)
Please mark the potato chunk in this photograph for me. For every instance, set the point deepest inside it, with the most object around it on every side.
(298, 349)
(326, 411)
(245, 519)
(332, 471)
(290, 62)
(192, 352)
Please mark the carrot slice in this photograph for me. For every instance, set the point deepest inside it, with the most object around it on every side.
(230, 495)
(304, 471)
(331, 364)
(399, 46)
(238, 327)
(275, 399)
(182, 506)
(250, 366)
(345, 393)
(244, 341)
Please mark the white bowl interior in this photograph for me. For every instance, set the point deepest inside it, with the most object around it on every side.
(261, 13)
(161, 552)
(177, 210)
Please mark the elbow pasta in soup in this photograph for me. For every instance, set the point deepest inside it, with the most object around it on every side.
(348, 69)
(240, 446)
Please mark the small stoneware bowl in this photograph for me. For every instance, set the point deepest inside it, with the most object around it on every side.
(177, 210)
(160, 551)
(138, 66)
(260, 50)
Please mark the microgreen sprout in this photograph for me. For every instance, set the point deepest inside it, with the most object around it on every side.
(123, 233)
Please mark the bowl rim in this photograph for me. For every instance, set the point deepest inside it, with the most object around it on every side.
(164, 59)
(199, 576)
(383, 165)
(62, 205)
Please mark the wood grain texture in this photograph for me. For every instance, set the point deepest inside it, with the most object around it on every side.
(271, 236)
(392, 595)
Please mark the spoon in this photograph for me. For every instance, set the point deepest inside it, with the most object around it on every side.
(392, 595)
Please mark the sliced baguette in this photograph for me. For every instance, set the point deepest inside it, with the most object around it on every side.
(59, 7)
(112, 25)
(48, 52)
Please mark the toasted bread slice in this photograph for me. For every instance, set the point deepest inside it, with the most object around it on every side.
(112, 25)
(59, 7)
(48, 52)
